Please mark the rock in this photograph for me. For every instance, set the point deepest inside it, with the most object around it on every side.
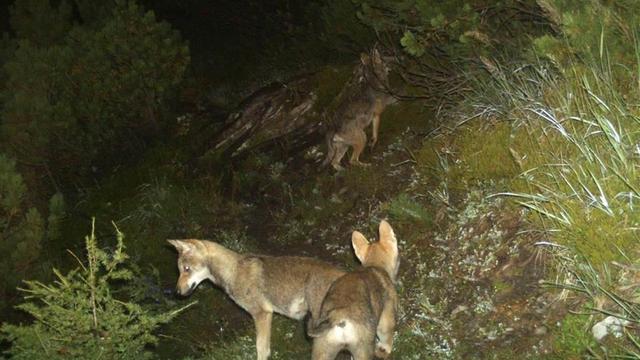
(540, 331)
(610, 325)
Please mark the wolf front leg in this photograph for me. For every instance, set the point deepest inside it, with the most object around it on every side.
(340, 149)
(377, 111)
(331, 149)
(263, 334)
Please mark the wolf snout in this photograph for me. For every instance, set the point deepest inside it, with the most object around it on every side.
(187, 292)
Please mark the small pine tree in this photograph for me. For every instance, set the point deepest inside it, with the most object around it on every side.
(78, 317)
(22, 228)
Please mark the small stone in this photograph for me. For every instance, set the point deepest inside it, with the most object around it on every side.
(540, 331)
(610, 325)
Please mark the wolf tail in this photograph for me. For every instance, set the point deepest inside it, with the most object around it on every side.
(317, 327)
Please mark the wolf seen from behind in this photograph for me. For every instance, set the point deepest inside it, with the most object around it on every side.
(359, 105)
(260, 284)
(361, 305)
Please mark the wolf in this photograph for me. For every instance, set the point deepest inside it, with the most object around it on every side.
(361, 305)
(260, 284)
(359, 105)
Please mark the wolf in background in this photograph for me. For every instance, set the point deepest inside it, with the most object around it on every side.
(359, 105)
(261, 285)
(362, 304)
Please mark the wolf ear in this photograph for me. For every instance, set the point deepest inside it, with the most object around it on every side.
(364, 58)
(376, 55)
(360, 245)
(181, 246)
(387, 236)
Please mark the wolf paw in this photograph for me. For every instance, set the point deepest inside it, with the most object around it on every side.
(360, 163)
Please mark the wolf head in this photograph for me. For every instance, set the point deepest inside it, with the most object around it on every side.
(377, 70)
(191, 264)
(382, 254)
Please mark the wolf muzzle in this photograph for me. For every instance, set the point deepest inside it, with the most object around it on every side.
(189, 290)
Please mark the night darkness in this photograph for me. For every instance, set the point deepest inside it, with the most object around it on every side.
(393, 179)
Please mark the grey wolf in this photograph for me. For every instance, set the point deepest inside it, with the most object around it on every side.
(359, 105)
(361, 305)
(261, 285)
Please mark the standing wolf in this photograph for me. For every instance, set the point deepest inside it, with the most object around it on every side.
(362, 304)
(261, 285)
(360, 104)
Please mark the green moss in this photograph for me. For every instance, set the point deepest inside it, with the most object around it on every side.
(432, 160)
(571, 340)
(405, 115)
(505, 353)
(475, 153)
(484, 149)
(406, 210)
(368, 181)
(501, 287)
(599, 236)
(418, 342)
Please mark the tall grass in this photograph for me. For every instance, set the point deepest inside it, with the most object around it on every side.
(575, 138)
(610, 290)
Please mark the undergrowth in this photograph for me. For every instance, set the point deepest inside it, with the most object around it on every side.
(574, 138)
(573, 135)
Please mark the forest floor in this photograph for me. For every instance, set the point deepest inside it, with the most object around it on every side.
(471, 276)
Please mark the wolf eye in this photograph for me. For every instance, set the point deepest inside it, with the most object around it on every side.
(186, 269)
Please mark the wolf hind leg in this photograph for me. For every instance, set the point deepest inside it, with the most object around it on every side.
(340, 150)
(364, 351)
(363, 346)
(324, 349)
(359, 138)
